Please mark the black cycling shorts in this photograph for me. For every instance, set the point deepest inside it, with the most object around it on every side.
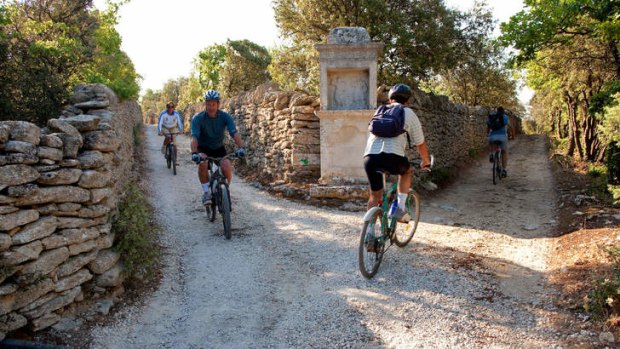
(214, 153)
(394, 164)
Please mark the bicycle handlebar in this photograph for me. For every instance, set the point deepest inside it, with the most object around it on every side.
(230, 156)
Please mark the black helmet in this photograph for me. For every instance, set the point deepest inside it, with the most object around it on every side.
(400, 93)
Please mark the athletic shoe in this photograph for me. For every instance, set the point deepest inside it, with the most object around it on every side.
(206, 199)
(491, 157)
(504, 173)
(402, 216)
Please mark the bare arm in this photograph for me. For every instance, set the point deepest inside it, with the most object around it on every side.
(194, 145)
(238, 140)
(423, 151)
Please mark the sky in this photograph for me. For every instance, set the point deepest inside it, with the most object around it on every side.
(163, 37)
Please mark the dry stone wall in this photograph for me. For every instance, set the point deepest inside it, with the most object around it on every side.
(59, 188)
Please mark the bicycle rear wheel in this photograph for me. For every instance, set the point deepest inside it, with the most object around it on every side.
(168, 160)
(173, 157)
(404, 231)
(370, 252)
(225, 209)
(495, 169)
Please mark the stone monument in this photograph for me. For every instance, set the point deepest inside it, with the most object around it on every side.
(348, 100)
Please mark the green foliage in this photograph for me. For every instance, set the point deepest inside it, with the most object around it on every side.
(293, 68)
(603, 301)
(613, 163)
(420, 37)
(47, 47)
(245, 67)
(209, 64)
(135, 234)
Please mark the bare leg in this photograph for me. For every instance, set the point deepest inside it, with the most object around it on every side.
(504, 158)
(374, 198)
(227, 169)
(404, 181)
(203, 173)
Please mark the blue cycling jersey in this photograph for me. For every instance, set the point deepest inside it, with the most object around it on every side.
(210, 132)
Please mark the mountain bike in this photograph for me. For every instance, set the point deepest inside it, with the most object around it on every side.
(170, 152)
(220, 192)
(381, 231)
(497, 163)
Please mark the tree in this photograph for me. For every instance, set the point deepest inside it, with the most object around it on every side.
(420, 37)
(209, 64)
(245, 67)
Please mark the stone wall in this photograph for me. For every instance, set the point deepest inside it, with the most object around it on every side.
(59, 188)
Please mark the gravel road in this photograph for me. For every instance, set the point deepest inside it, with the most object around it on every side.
(472, 277)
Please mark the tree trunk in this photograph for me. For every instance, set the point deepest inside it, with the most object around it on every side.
(574, 130)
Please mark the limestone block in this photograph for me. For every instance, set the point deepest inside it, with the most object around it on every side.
(20, 254)
(3, 160)
(46, 162)
(47, 209)
(105, 241)
(6, 303)
(302, 101)
(70, 163)
(304, 117)
(5, 132)
(71, 111)
(72, 222)
(44, 321)
(23, 131)
(282, 100)
(61, 126)
(104, 114)
(20, 147)
(93, 105)
(51, 140)
(83, 123)
(91, 159)
(299, 124)
(105, 260)
(312, 138)
(47, 262)
(19, 218)
(27, 296)
(5, 241)
(83, 247)
(50, 153)
(21, 158)
(69, 207)
(97, 195)
(94, 211)
(8, 289)
(35, 231)
(46, 168)
(17, 174)
(95, 179)
(87, 92)
(22, 190)
(67, 237)
(102, 140)
(75, 263)
(57, 194)
(71, 145)
(73, 280)
(62, 176)
(11, 322)
(111, 278)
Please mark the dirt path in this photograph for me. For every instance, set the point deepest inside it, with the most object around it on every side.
(472, 277)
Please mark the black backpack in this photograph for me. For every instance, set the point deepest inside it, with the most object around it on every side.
(496, 121)
(388, 121)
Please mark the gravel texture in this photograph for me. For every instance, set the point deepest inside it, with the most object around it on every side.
(472, 277)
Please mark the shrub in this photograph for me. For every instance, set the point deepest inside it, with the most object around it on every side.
(136, 237)
(603, 301)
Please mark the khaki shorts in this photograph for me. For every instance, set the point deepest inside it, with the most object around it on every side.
(166, 130)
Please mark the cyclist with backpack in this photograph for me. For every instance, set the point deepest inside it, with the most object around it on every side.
(392, 129)
(208, 130)
(497, 131)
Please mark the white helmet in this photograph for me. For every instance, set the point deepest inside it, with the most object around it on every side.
(212, 95)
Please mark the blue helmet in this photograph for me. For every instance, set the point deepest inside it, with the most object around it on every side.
(212, 95)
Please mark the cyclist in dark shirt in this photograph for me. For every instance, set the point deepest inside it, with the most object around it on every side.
(208, 132)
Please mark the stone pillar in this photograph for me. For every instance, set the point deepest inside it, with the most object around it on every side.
(348, 101)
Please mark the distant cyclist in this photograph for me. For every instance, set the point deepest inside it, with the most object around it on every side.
(208, 132)
(169, 122)
(389, 153)
(497, 131)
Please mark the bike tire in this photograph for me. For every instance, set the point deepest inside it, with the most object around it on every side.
(225, 210)
(211, 210)
(168, 160)
(173, 156)
(403, 232)
(495, 170)
(369, 261)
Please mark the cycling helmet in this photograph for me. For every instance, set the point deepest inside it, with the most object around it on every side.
(400, 93)
(212, 95)
(170, 105)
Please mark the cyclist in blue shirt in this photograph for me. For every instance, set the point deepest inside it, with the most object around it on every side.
(497, 131)
(208, 132)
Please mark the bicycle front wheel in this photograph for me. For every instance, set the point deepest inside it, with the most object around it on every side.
(495, 170)
(168, 157)
(371, 249)
(225, 210)
(403, 232)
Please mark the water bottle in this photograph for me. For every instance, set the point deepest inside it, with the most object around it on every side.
(393, 208)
